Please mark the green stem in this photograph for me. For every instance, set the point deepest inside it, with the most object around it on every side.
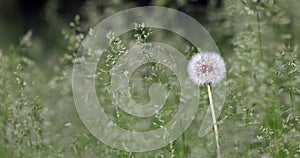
(214, 121)
(259, 34)
(183, 145)
(291, 97)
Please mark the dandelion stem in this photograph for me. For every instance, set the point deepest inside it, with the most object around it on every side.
(214, 121)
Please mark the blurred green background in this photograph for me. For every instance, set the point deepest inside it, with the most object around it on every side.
(258, 39)
(47, 18)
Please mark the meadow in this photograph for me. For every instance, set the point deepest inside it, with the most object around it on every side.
(258, 39)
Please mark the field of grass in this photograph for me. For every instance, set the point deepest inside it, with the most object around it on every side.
(258, 40)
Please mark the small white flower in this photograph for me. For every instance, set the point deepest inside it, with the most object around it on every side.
(206, 68)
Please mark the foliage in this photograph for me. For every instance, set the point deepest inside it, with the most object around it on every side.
(261, 115)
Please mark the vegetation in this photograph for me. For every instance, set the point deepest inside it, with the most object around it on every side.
(261, 115)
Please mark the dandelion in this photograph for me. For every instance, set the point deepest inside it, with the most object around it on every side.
(205, 69)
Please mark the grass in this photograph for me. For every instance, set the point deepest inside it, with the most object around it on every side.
(260, 118)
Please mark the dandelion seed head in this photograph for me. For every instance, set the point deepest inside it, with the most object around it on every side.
(206, 68)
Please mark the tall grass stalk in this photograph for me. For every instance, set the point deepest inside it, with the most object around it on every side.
(259, 34)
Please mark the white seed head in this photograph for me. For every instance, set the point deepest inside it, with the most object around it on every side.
(206, 68)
